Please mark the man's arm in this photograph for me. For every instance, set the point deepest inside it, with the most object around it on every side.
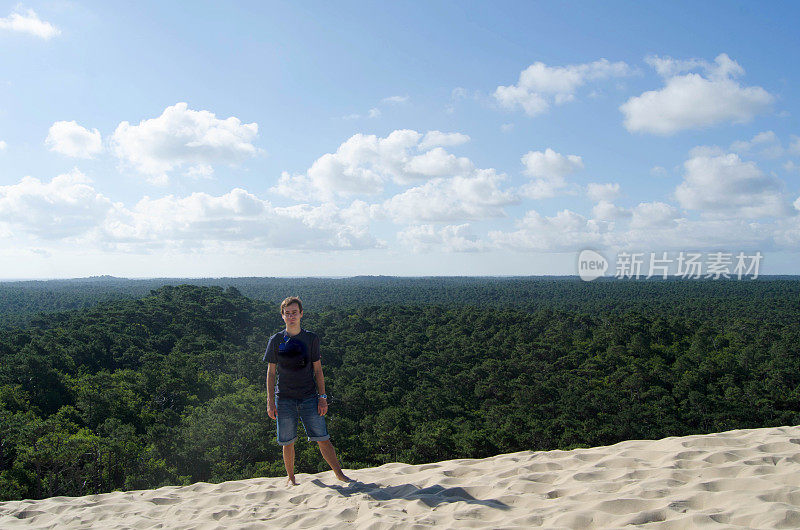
(322, 403)
(271, 411)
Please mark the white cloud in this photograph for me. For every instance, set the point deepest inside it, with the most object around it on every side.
(605, 210)
(548, 164)
(794, 146)
(363, 164)
(656, 227)
(181, 136)
(724, 185)
(29, 22)
(375, 112)
(3, 145)
(548, 169)
(69, 138)
(507, 127)
(766, 137)
(789, 165)
(67, 206)
(335, 228)
(564, 232)
(602, 192)
(449, 238)
(200, 171)
(459, 93)
(658, 171)
(654, 214)
(437, 163)
(453, 199)
(698, 235)
(765, 144)
(709, 151)
(438, 138)
(669, 67)
(540, 85)
(236, 220)
(692, 101)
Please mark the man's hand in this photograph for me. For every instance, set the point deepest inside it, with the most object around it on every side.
(322, 406)
(272, 411)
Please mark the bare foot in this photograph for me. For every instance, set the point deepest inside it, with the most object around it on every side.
(344, 478)
(291, 482)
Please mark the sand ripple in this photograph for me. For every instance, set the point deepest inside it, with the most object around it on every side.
(738, 479)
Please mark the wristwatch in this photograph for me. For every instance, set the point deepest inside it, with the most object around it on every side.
(323, 396)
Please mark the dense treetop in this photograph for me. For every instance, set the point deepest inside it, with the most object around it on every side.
(168, 387)
(19, 301)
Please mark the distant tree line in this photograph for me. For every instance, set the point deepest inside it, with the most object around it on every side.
(169, 388)
(22, 301)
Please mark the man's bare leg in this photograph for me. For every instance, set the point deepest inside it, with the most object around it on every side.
(329, 454)
(288, 461)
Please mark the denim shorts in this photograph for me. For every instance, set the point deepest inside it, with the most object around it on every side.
(289, 410)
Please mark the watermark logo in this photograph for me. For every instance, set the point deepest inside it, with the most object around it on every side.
(591, 265)
(685, 265)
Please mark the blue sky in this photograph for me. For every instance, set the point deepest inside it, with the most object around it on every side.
(405, 138)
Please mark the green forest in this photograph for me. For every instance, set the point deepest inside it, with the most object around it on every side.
(104, 387)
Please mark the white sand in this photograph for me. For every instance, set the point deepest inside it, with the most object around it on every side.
(736, 479)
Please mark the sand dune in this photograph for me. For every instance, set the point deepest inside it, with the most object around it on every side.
(743, 478)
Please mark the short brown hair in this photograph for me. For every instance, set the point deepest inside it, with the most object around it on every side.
(291, 300)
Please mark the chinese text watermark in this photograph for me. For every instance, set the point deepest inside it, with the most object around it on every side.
(684, 265)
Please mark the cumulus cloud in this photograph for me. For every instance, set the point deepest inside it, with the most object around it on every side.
(445, 200)
(449, 238)
(602, 192)
(691, 100)
(605, 210)
(440, 139)
(566, 231)
(67, 206)
(765, 144)
(183, 137)
(365, 163)
(69, 138)
(656, 227)
(724, 185)
(438, 163)
(549, 164)
(683, 234)
(29, 22)
(540, 86)
(669, 67)
(200, 171)
(654, 214)
(235, 218)
(548, 170)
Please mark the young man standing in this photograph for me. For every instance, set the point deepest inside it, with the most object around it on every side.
(293, 355)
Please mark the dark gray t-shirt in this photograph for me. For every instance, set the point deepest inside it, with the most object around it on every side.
(293, 357)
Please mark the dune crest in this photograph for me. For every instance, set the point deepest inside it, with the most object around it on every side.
(744, 478)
